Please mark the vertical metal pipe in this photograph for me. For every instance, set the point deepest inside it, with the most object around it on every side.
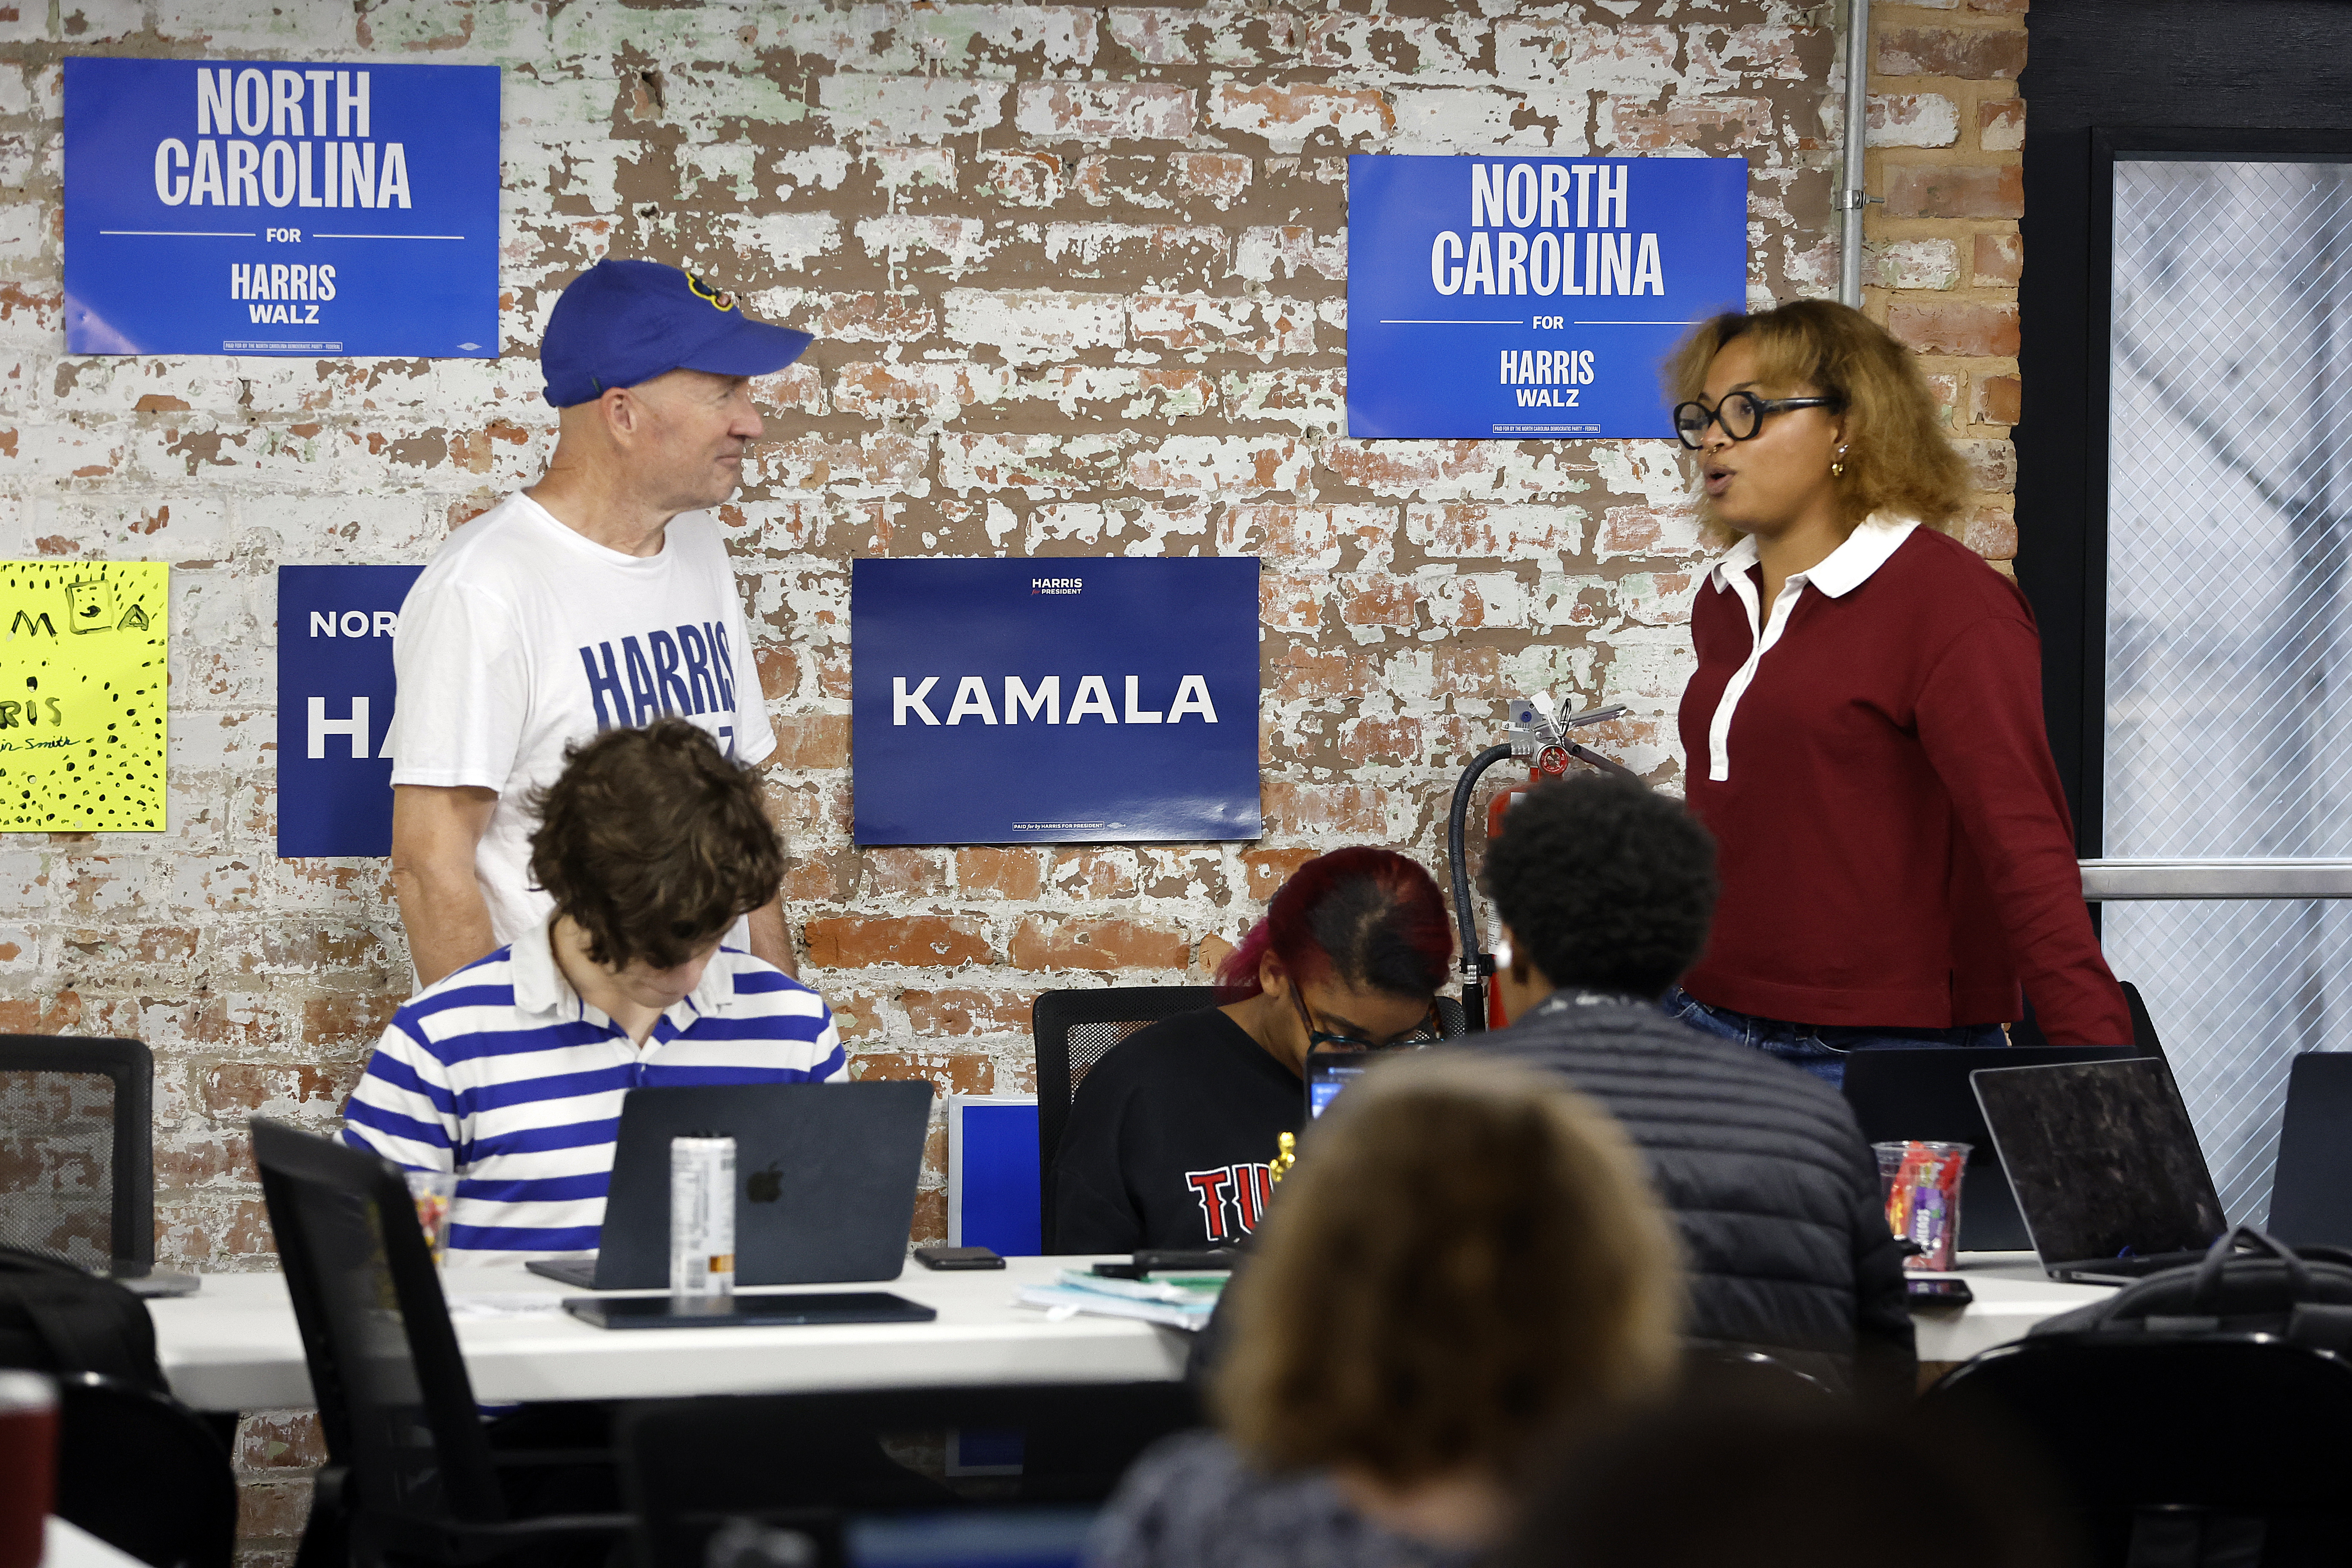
(1850, 199)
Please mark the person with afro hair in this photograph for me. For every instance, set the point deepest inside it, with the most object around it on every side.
(1605, 889)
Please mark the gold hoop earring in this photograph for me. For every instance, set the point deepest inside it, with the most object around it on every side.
(1837, 465)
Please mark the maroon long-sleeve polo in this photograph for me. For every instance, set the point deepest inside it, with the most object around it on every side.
(1894, 847)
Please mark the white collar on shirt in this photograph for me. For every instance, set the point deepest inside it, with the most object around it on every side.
(539, 986)
(1839, 572)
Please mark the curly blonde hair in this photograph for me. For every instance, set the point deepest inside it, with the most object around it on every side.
(1467, 1257)
(1897, 458)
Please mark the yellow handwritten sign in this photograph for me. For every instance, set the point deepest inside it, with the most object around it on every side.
(84, 663)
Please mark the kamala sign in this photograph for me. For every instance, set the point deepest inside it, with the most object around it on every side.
(1069, 701)
(1503, 295)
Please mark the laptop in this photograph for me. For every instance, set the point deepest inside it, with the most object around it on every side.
(824, 1182)
(2311, 1189)
(1925, 1094)
(2105, 1165)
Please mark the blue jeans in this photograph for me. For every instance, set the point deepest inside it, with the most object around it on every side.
(1818, 1048)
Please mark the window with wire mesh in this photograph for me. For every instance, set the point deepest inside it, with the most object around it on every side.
(2226, 675)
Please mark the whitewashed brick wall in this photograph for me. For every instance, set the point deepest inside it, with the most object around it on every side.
(1079, 279)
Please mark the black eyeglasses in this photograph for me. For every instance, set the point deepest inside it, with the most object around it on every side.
(1429, 1028)
(1741, 415)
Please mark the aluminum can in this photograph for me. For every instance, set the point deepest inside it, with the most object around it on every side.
(703, 1217)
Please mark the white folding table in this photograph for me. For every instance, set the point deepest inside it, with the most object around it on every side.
(65, 1545)
(2012, 1294)
(234, 1345)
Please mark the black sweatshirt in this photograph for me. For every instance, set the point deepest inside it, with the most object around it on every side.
(1172, 1139)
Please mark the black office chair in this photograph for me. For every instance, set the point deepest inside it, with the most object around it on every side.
(1730, 1374)
(805, 1461)
(409, 1474)
(1075, 1029)
(76, 1136)
(144, 1473)
(2174, 1447)
(2027, 1031)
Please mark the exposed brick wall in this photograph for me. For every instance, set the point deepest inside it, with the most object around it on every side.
(1947, 130)
(1078, 276)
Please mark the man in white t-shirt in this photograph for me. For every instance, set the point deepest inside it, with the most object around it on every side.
(600, 597)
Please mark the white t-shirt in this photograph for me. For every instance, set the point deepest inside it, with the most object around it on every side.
(523, 636)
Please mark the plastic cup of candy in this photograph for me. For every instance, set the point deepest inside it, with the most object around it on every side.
(1920, 1184)
(433, 1192)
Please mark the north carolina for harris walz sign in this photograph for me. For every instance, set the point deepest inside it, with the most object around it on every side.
(1510, 296)
(281, 207)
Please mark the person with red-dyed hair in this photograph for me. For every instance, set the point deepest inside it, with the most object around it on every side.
(1172, 1136)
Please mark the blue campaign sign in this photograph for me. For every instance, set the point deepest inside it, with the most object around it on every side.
(992, 1178)
(1506, 296)
(281, 207)
(334, 706)
(1067, 700)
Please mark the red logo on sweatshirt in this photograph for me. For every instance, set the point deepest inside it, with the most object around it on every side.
(1232, 1198)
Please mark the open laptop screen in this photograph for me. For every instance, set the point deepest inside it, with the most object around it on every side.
(2101, 1158)
(2311, 1196)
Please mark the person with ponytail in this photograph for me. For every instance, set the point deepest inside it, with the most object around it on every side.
(1172, 1134)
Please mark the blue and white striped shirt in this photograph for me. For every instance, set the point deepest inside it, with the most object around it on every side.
(501, 1073)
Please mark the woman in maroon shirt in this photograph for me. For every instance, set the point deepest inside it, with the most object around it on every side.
(1863, 734)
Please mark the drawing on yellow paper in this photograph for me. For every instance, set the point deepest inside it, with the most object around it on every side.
(84, 664)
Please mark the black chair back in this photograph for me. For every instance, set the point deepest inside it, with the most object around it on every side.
(144, 1473)
(1731, 1374)
(2027, 1031)
(395, 1403)
(2171, 1433)
(806, 1460)
(1074, 1031)
(76, 1143)
(2143, 1027)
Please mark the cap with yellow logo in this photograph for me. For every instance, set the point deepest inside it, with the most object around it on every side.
(622, 323)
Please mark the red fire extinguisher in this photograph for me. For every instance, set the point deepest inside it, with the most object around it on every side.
(1551, 761)
(1540, 735)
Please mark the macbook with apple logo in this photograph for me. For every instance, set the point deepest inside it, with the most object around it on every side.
(824, 1182)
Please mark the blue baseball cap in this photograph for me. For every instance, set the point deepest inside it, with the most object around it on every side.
(622, 323)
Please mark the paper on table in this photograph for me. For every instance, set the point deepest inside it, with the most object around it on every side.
(1179, 1291)
(1055, 1299)
(505, 1304)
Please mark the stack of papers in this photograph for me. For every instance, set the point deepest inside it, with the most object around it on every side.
(1175, 1300)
